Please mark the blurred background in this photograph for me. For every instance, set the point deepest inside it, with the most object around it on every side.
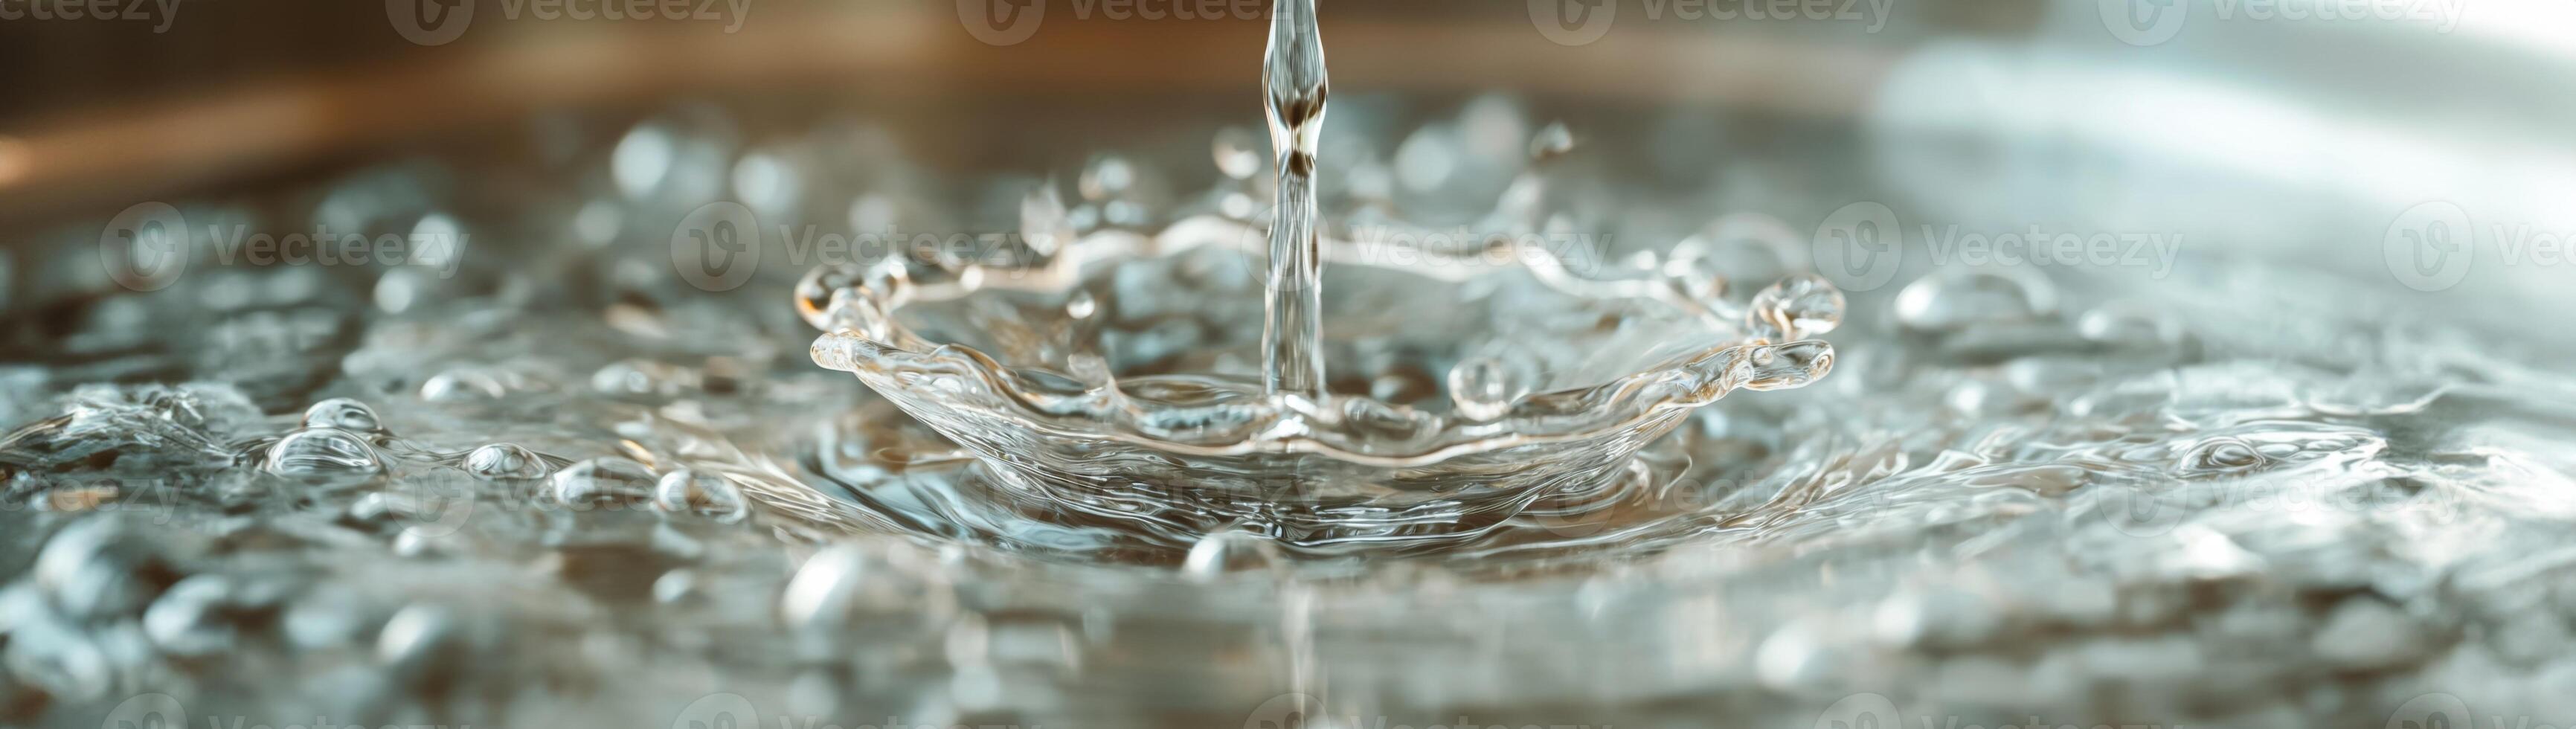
(2298, 129)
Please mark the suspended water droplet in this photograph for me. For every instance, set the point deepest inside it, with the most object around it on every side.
(1796, 308)
(682, 156)
(1484, 388)
(504, 460)
(344, 414)
(1082, 305)
(642, 158)
(322, 451)
(767, 182)
(402, 287)
(603, 481)
(1107, 176)
(689, 491)
(1043, 222)
(1426, 158)
(1238, 152)
(1551, 141)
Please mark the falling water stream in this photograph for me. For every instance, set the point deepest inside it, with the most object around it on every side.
(1294, 85)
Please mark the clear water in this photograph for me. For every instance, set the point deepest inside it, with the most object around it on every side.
(1294, 85)
(566, 487)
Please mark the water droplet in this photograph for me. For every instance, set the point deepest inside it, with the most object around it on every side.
(1484, 388)
(2128, 326)
(1107, 176)
(2222, 454)
(504, 460)
(603, 481)
(402, 287)
(640, 378)
(322, 451)
(1796, 308)
(675, 586)
(463, 385)
(100, 566)
(1426, 159)
(417, 637)
(767, 182)
(642, 158)
(2365, 633)
(344, 414)
(1551, 141)
(1953, 300)
(689, 491)
(1238, 152)
(1228, 549)
(1781, 366)
(826, 588)
(199, 616)
(1043, 224)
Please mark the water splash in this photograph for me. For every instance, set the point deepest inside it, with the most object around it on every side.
(2141, 499)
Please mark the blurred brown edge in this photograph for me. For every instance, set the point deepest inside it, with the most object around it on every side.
(103, 157)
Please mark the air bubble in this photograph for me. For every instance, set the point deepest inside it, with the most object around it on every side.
(688, 491)
(344, 414)
(322, 451)
(607, 480)
(505, 460)
(1795, 309)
